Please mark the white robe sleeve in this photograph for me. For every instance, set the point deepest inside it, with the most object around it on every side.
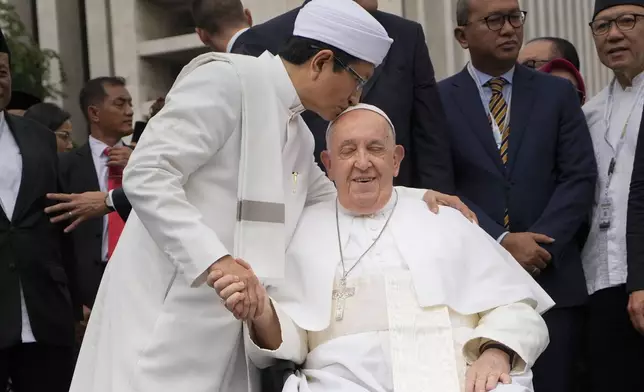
(202, 110)
(517, 326)
(294, 345)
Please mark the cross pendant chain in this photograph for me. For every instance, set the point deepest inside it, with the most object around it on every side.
(340, 295)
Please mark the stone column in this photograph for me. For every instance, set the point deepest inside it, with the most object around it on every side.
(59, 29)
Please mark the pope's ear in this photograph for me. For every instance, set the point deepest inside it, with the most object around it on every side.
(326, 161)
(320, 58)
(399, 154)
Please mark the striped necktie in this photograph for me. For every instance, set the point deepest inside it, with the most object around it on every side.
(498, 113)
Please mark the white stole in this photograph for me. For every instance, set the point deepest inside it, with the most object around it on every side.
(260, 229)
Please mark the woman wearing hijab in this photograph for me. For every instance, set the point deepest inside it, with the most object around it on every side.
(56, 119)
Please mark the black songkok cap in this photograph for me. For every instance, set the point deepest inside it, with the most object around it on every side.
(601, 5)
(22, 101)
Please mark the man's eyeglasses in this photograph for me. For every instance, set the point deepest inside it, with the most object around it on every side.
(624, 22)
(361, 81)
(496, 22)
(534, 64)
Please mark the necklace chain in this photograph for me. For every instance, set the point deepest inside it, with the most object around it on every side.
(346, 273)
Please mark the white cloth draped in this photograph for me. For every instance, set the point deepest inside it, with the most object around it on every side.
(432, 260)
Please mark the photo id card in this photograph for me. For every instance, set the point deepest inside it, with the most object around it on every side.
(605, 214)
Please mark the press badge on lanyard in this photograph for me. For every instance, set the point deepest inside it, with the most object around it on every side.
(605, 204)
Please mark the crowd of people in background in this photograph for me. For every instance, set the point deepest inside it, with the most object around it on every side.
(553, 175)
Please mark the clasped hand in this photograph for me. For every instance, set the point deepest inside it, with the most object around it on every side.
(526, 249)
(238, 287)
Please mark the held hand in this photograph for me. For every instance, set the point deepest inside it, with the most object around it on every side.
(119, 156)
(77, 206)
(435, 199)
(525, 248)
(636, 310)
(490, 369)
(252, 303)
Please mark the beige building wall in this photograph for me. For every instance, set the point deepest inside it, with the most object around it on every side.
(149, 41)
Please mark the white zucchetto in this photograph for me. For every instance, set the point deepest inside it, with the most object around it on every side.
(360, 106)
(345, 25)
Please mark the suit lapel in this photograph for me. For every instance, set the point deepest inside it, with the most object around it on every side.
(520, 111)
(468, 100)
(29, 155)
(86, 170)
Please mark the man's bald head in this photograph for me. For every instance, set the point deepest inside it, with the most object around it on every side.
(362, 158)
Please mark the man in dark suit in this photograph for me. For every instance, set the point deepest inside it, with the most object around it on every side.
(635, 241)
(93, 171)
(524, 163)
(37, 295)
(403, 86)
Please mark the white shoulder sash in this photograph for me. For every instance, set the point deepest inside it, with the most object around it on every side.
(260, 233)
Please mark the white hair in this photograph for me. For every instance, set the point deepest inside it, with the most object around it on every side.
(360, 106)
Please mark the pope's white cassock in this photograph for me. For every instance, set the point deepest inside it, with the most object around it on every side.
(224, 169)
(426, 296)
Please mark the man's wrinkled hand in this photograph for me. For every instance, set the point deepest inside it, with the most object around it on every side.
(525, 248)
(435, 199)
(119, 156)
(251, 302)
(78, 207)
(636, 310)
(490, 369)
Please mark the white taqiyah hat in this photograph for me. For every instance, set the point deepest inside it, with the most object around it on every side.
(345, 25)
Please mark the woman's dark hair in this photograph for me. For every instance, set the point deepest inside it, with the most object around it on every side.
(47, 114)
(299, 50)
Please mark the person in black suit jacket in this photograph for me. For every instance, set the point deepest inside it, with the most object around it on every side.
(403, 86)
(531, 179)
(38, 301)
(635, 238)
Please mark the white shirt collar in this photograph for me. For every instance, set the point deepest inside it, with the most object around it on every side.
(232, 40)
(283, 85)
(484, 78)
(384, 210)
(98, 147)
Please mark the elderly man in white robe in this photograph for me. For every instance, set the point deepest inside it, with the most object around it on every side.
(223, 170)
(382, 295)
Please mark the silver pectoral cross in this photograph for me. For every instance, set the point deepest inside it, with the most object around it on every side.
(340, 295)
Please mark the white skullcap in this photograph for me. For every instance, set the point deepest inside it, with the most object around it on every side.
(360, 106)
(345, 25)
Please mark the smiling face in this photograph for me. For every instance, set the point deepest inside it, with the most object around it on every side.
(362, 159)
(621, 51)
(487, 46)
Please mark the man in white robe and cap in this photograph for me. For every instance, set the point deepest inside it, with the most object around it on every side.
(223, 170)
(614, 116)
(382, 295)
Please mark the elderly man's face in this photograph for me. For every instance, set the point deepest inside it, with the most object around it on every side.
(362, 159)
(619, 37)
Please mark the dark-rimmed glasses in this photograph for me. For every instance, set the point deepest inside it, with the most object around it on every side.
(624, 22)
(495, 22)
(361, 81)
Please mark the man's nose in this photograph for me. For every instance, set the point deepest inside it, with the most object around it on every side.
(363, 162)
(614, 33)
